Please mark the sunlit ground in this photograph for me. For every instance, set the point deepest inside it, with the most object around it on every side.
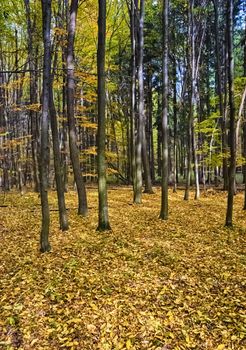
(147, 284)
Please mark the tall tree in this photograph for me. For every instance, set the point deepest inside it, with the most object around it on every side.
(175, 124)
(141, 109)
(133, 94)
(220, 92)
(74, 151)
(139, 139)
(232, 135)
(103, 220)
(191, 49)
(57, 156)
(244, 113)
(44, 153)
(164, 187)
(33, 93)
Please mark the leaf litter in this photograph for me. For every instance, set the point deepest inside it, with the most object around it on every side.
(147, 284)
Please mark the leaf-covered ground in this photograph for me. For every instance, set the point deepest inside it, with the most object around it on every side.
(148, 284)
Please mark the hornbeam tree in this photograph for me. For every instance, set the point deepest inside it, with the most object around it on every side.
(44, 148)
(232, 135)
(57, 156)
(139, 139)
(164, 184)
(103, 220)
(74, 151)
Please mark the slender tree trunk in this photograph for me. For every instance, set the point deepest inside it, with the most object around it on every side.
(65, 141)
(139, 141)
(193, 101)
(159, 136)
(196, 166)
(133, 97)
(191, 112)
(175, 175)
(33, 96)
(244, 167)
(57, 159)
(244, 125)
(146, 164)
(44, 239)
(150, 141)
(142, 115)
(164, 183)
(103, 220)
(232, 137)
(219, 89)
(74, 151)
(192, 144)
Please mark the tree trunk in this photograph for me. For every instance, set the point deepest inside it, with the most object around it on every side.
(65, 141)
(57, 159)
(164, 182)
(232, 136)
(133, 97)
(244, 125)
(74, 151)
(33, 97)
(139, 141)
(175, 174)
(244, 166)
(191, 111)
(150, 126)
(44, 239)
(142, 115)
(146, 164)
(103, 220)
(219, 90)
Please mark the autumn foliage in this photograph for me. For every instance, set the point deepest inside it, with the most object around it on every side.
(147, 284)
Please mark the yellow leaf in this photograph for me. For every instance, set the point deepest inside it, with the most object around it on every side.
(128, 344)
(74, 320)
(91, 328)
(221, 347)
(93, 306)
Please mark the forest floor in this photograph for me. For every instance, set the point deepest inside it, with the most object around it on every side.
(147, 284)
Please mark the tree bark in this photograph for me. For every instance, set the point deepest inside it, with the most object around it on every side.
(150, 127)
(57, 158)
(139, 141)
(142, 116)
(232, 136)
(219, 90)
(74, 151)
(244, 124)
(44, 239)
(133, 96)
(175, 174)
(33, 96)
(103, 220)
(164, 182)
(190, 117)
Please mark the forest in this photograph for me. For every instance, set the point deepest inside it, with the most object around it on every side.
(122, 174)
